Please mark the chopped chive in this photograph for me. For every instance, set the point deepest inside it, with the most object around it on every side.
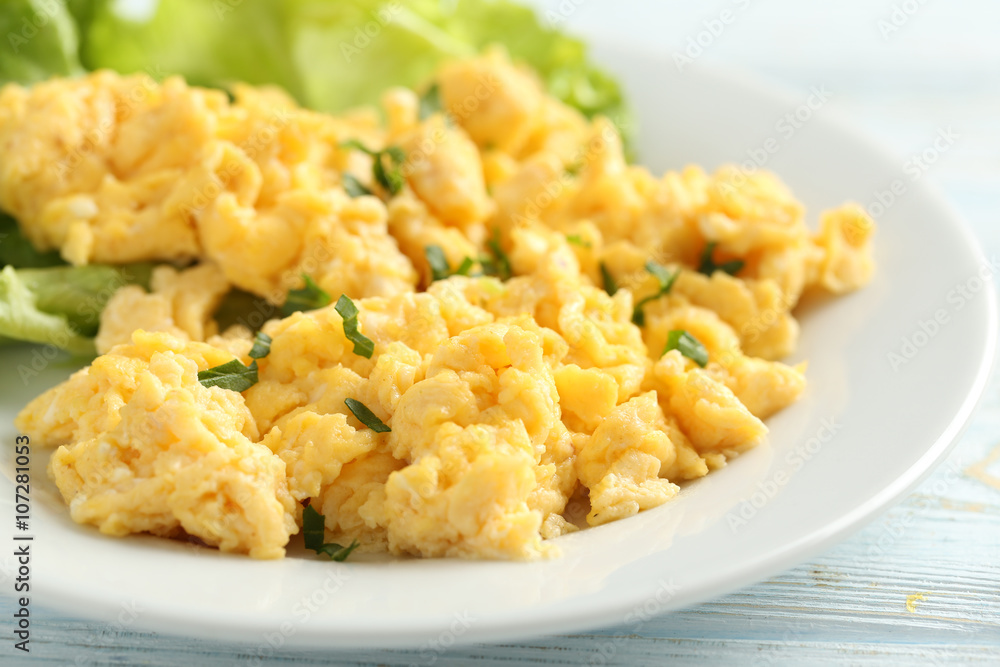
(466, 266)
(366, 416)
(687, 345)
(392, 180)
(496, 263)
(232, 375)
(310, 297)
(363, 346)
(357, 145)
(576, 239)
(391, 177)
(440, 269)
(610, 286)
(666, 279)
(314, 534)
(261, 346)
(662, 274)
(353, 186)
(430, 102)
(708, 265)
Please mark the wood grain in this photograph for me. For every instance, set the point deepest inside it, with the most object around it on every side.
(848, 607)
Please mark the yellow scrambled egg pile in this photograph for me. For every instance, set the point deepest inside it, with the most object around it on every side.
(505, 398)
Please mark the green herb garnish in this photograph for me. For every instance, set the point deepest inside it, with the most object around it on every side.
(576, 239)
(261, 346)
(232, 375)
(310, 297)
(363, 346)
(666, 280)
(687, 345)
(610, 286)
(389, 177)
(496, 263)
(357, 145)
(440, 268)
(314, 532)
(354, 187)
(18, 251)
(392, 180)
(708, 265)
(430, 102)
(366, 416)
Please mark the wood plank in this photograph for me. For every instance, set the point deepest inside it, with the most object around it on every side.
(849, 605)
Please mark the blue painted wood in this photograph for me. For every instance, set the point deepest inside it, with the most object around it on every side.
(848, 606)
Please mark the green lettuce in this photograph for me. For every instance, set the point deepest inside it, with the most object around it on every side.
(61, 306)
(42, 300)
(209, 43)
(22, 319)
(39, 41)
(560, 60)
(336, 54)
(329, 54)
(17, 251)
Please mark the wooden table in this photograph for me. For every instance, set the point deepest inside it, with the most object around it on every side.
(920, 585)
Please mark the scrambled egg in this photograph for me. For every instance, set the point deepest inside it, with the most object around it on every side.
(153, 450)
(181, 303)
(503, 398)
(119, 169)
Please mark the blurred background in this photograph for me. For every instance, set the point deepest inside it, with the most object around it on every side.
(899, 69)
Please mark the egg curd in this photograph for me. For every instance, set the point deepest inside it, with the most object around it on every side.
(556, 377)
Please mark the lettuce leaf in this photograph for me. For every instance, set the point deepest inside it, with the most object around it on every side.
(39, 41)
(210, 43)
(336, 54)
(329, 54)
(17, 251)
(61, 306)
(22, 319)
(79, 293)
(560, 60)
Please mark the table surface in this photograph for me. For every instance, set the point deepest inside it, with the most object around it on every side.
(919, 585)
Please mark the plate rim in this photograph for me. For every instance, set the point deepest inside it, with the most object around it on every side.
(523, 626)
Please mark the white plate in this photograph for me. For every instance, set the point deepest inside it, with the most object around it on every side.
(811, 486)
